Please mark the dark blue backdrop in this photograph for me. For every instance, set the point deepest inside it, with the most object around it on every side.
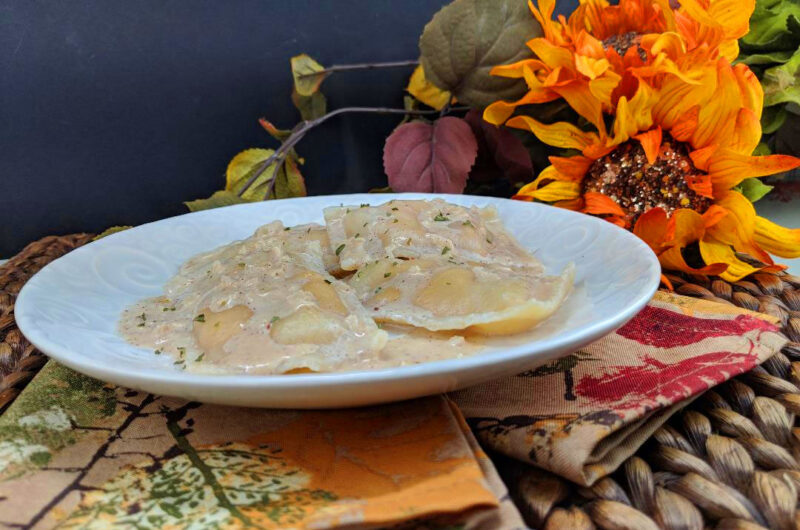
(114, 112)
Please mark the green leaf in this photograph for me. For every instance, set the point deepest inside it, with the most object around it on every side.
(782, 83)
(109, 231)
(774, 25)
(310, 107)
(771, 58)
(307, 74)
(290, 182)
(753, 189)
(217, 200)
(762, 149)
(466, 38)
(772, 118)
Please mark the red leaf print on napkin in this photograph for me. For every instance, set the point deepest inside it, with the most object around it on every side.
(634, 386)
(668, 329)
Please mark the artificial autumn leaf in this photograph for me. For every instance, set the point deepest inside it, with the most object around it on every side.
(310, 107)
(430, 157)
(307, 74)
(242, 167)
(467, 38)
(279, 134)
(109, 231)
(753, 189)
(217, 200)
(782, 83)
(289, 181)
(427, 92)
(774, 25)
(501, 154)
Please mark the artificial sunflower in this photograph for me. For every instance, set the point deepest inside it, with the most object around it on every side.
(668, 170)
(602, 51)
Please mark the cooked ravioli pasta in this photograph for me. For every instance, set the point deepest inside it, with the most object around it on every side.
(447, 294)
(413, 229)
(437, 274)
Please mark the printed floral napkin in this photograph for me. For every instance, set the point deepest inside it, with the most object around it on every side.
(78, 453)
(583, 415)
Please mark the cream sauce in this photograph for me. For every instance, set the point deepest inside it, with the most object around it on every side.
(272, 300)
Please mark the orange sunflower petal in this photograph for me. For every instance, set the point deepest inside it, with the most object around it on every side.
(714, 251)
(784, 242)
(599, 204)
(651, 227)
(651, 143)
(557, 190)
(728, 169)
(686, 227)
(747, 133)
(559, 134)
(737, 229)
(684, 127)
(572, 168)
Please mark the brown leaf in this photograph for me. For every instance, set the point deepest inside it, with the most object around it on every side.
(430, 157)
(501, 154)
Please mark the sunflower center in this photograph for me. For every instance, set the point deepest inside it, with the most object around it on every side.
(625, 176)
(622, 43)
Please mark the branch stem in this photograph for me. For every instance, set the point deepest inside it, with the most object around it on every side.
(302, 128)
(360, 66)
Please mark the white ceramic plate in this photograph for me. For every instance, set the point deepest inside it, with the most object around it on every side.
(69, 310)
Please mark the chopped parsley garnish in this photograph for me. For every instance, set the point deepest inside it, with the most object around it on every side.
(180, 361)
(378, 289)
(328, 282)
(387, 274)
(440, 217)
(181, 351)
(395, 209)
(287, 228)
(356, 236)
(142, 317)
(488, 240)
(467, 223)
(339, 249)
(364, 205)
(157, 352)
(199, 357)
(445, 250)
(200, 318)
(274, 319)
(395, 221)
(242, 264)
(169, 308)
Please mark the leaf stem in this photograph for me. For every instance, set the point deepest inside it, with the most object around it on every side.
(303, 127)
(360, 66)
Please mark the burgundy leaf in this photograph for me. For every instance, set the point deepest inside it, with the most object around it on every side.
(425, 157)
(500, 153)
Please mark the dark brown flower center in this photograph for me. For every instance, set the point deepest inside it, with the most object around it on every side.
(622, 43)
(625, 176)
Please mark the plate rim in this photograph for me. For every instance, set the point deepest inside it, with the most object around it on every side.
(582, 336)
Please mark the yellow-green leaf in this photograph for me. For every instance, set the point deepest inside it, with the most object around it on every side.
(427, 92)
(310, 107)
(217, 200)
(242, 167)
(290, 182)
(109, 231)
(307, 74)
(279, 134)
(753, 189)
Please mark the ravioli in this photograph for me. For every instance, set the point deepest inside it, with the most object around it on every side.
(262, 305)
(415, 228)
(445, 293)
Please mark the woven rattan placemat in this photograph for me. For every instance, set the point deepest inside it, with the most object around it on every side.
(729, 460)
